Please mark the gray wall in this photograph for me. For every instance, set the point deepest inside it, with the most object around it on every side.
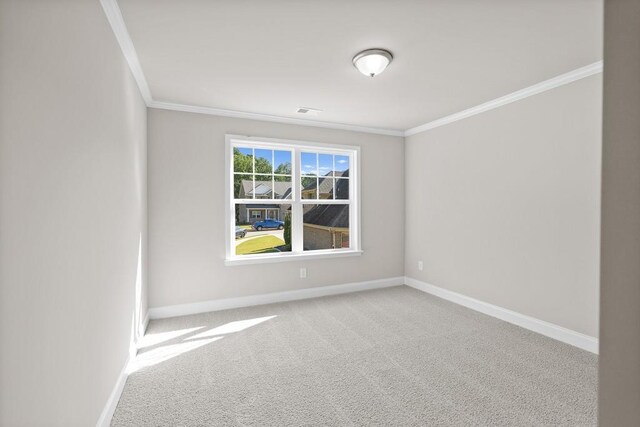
(504, 206)
(187, 206)
(72, 211)
(619, 400)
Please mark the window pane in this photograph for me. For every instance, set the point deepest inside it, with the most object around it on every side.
(282, 162)
(309, 163)
(309, 172)
(325, 227)
(309, 186)
(263, 187)
(341, 165)
(243, 186)
(325, 188)
(282, 187)
(262, 228)
(264, 161)
(325, 165)
(243, 160)
(342, 189)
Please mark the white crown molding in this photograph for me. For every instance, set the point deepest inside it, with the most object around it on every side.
(114, 16)
(269, 118)
(550, 330)
(228, 303)
(563, 79)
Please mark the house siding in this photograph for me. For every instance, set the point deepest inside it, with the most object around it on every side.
(318, 237)
(244, 216)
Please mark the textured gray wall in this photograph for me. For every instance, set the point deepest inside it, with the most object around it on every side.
(72, 211)
(620, 280)
(504, 206)
(187, 211)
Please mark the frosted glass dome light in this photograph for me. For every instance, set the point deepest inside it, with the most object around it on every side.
(372, 62)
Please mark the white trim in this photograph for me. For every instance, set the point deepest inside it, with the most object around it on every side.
(550, 330)
(535, 89)
(145, 324)
(230, 211)
(284, 257)
(296, 148)
(269, 118)
(229, 303)
(320, 147)
(114, 397)
(112, 402)
(114, 16)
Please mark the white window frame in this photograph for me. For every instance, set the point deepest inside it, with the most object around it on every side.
(296, 201)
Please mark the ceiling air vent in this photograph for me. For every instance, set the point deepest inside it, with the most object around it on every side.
(308, 111)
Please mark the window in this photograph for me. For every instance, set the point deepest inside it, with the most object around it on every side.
(290, 199)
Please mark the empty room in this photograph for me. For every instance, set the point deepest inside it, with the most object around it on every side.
(319, 213)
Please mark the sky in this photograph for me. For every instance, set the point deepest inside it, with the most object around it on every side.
(321, 164)
(312, 163)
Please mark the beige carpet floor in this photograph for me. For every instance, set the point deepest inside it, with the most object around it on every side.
(393, 356)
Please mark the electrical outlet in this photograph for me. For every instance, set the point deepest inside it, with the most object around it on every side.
(420, 265)
(303, 273)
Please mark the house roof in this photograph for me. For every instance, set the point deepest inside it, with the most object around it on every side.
(331, 215)
(326, 183)
(282, 188)
(328, 216)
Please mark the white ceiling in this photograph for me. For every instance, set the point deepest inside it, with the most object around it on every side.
(271, 57)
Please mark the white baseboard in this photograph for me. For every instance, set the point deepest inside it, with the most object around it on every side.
(559, 333)
(110, 407)
(550, 330)
(228, 303)
(145, 324)
(112, 402)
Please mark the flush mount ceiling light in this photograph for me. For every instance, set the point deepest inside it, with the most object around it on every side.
(372, 62)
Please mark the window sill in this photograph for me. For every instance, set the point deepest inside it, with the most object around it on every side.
(264, 259)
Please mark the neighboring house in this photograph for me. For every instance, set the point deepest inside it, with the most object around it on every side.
(325, 187)
(250, 213)
(327, 226)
